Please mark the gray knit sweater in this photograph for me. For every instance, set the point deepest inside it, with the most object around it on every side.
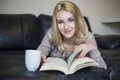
(46, 48)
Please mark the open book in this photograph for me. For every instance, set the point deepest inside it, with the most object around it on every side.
(70, 66)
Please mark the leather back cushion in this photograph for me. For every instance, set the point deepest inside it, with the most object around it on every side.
(18, 31)
(108, 41)
(45, 22)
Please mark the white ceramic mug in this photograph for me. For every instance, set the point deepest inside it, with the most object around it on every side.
(32, 59)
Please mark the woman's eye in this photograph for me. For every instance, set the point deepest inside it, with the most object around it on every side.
(71, 20)
(60, 22)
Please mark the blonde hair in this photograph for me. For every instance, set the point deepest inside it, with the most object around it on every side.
(80, 31)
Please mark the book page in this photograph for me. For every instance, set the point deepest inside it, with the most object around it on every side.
(80, 63)
(72, 57)
(55, 64)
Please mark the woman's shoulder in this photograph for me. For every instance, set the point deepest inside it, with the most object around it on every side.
(48, 34)
(49, 31)
(90, 34)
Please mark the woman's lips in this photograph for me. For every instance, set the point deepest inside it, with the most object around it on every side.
(67, 32)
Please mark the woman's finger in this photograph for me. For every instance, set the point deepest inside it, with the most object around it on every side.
(82, 54)
(43, 58)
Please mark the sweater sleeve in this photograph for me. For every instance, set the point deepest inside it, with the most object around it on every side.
(95, 54)
(91, 39)
(45, 46)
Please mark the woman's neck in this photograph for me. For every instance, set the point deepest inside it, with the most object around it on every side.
(68, 44)
(68, 41)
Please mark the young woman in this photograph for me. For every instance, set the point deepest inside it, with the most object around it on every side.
(68, 35)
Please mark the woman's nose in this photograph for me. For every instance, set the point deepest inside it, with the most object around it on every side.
(66, 26)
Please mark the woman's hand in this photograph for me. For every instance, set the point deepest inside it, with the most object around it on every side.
(84, 48)
(43, 58)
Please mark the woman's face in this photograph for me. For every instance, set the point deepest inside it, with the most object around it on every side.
(66, 24)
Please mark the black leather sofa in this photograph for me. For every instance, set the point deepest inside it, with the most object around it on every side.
(19, 32)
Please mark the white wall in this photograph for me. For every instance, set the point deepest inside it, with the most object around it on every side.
(97, 11)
